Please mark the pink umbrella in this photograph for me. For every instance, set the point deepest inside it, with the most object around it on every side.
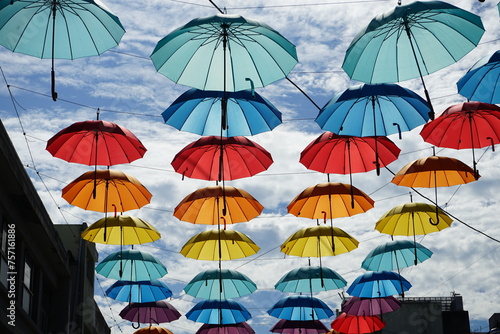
(150, 312)
(371, 306)
(299, 327)
(239, 328)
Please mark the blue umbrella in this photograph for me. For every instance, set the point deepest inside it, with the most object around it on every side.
(200, 112)
(218, 311)
(375, 284)
(396, 255)
(132, 265)
(138, 292)
(300, 308)
(220, 283)
(482, 81)
(310, 279)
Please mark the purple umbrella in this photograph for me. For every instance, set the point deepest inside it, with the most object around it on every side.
(299, 327)
(371, 306)
(239, 328)
(151, 312)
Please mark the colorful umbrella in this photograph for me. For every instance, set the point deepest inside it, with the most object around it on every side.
(395, 255)
(352, 324)
(139, 291)
(239, 328)
(153, 330)
(240, 158)
(152, 312)
(63, 29)
(214, 245)
(220, 283)
(300, 308)
(310, 279)
(299, 327)
(378, 284)
(132, 265)
(370, 306)
(200, 112)
(481, 82)
(218, 311)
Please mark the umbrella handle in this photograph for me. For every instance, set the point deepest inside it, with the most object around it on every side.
(324, 216)
(53, 85)
(399, 130)
(492, 143)
(437, 218)
(252, 86)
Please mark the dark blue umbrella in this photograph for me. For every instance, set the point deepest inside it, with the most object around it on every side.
(218, 311)
(310, 279)
(138, 292)
(300, 308)
(378, 284)
(396, 255)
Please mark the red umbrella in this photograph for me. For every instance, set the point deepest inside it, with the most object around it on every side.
(241, 158)
(96, 143)
(239, 328)
(354, 324)
(299, 327)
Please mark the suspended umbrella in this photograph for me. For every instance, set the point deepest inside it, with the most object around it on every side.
(370, 306)
(220, 283)
(152, 312)
(138, 291)
(299, 327)
(481, 82)
(240, 157)
(300, 308)
(153, 330)
(58, 29)
(395, 255)
(411, 41)
(218, 311)
(239, 328)
(219, 244)
(200, 112)
(310, 279)
(352, 324)
(376, 284)
(132, 265)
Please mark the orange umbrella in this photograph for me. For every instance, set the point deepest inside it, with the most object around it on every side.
(153, 330)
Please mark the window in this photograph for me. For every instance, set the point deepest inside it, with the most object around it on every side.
(28, 283)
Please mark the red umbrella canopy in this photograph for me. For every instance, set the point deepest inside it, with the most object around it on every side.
(354, 324)
(341, 154)
(96, 143)
(240, 158)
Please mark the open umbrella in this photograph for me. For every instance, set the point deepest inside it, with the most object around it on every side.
(395, 255)
(220, 283)
(378, 284)
(370, 306)
(352, 324)
(299, 327)
(239, 156)
(300, 308)
(62, 29)
(151, 312)
(132, 265)
(310, 279)
(138, 291)
(153, 330)
(218, 311)
(238, 328)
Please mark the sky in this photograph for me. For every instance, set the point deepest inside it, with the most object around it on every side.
(124, 86)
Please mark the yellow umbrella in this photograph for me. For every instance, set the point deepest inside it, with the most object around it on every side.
(153, 330)
(219, 244)
(207, 206)
(316, 241)
(121, 230)
(106, 190)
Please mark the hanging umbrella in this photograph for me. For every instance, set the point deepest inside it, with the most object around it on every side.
(352, 324)
(199, 111)
(370, 306)
(132, 265)
(300, 308)
(378, 284)
(138, 291)
(299, 327)
(153, 330)
(310, 279)
(96, 143)
(152, 312)
(62, 29)
(481, 82)
(210, 205)
(106, 190)
(240, 158)
(239, 328)
(219, 311)
(213, 245)
(317, 241)
(121, 230)
(395, 255)
(220, 283)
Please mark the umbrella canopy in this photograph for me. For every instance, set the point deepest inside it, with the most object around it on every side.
(352, 324)
(299, 327)
(373, 110)
(481, 82)
(200, 112)
(139, 291)
(239, 156)
(300, 308)
(153, 330)
(224, 53)
(395, 255)
(152, 312)
(132, 265)
(106, 190)
(121, 230)
(219, 311)
(210, 205)
(239, 328)
(96, 143)
(310, 279)
(317, 241)
(378, 284)
(214, 245)
(370, 306)
(220, 283)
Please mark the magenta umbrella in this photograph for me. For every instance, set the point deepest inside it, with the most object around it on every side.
(371, 306)
(299, 327)
(239, 328)
(151, 312)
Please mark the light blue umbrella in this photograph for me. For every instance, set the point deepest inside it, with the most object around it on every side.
(376, 284)
(132, 265)
(482, 81)
(310, 279)
(200, 112)
(138, 292)
(218, 311)
(395, 255)
(300, 308)
(220, 283)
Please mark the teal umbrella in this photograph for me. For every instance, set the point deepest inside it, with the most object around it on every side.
(132, 265)
(395, 255)
(310, 279)
(220, 283)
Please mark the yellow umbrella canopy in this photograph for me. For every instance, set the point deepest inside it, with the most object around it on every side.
(330, 200)
(233, 245)
(106, 190)
(153, 330)
(413, 219)
(316, 241)
(214, 205)
(121, 230)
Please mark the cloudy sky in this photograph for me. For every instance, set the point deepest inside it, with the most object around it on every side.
(125, 87)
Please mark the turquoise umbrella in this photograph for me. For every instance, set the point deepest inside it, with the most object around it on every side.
(220, 283)
(132, 265)
(138, 292)
(395, 255)
(218, 311)
(310, 279)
